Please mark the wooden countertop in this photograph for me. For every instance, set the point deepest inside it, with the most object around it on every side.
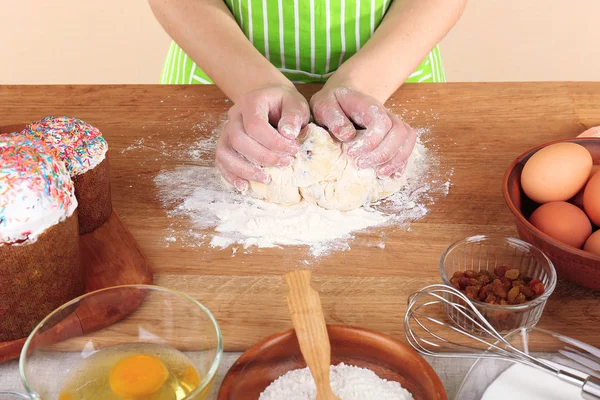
(476, 130)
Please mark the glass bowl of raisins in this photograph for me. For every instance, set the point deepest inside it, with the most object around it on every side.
(508, 280)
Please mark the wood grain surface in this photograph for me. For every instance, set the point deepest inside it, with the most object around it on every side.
(475, 130)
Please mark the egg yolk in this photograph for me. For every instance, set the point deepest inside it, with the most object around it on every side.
(137, 376)
(191, 377)
(65, 396)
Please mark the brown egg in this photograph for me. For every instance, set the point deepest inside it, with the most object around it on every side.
(578, 198)
(593, 243)
(591, 199)
(563, 222)
(592, 132)
(556, 172)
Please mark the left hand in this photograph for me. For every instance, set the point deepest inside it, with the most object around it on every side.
(387, 142)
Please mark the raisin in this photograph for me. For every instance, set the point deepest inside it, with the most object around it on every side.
(512, 274)
(470, 273)
(520, 299)
(500, 271)
(533, 282)
(490, 299)
(464, 282)
(527, 291)
(458, 274)
(507, 283)
(484, 279)
(512, 294)
(538, 289)
(472, 291)
(455, 282)
(499, 289)
(485, 290)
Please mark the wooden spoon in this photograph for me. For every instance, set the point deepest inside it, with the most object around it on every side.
(307, 316)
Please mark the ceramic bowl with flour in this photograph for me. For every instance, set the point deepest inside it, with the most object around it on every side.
(387, 358)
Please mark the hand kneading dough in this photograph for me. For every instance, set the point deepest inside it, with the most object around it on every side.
(322, 174)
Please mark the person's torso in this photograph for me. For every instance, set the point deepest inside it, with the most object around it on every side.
(308, 39)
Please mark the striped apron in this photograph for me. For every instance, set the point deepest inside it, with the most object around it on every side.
(307, 40)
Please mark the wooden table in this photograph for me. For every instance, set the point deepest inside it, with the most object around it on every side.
(476, 130)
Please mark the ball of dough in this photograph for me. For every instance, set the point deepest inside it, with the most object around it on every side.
(323, 174)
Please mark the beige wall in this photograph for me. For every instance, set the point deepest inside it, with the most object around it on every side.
(525, 40)
(119, 41)
(80, 41)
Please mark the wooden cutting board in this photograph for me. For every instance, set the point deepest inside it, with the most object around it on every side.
(111, 257)
(475, 130)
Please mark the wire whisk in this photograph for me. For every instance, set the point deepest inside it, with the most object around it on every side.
(471, 335)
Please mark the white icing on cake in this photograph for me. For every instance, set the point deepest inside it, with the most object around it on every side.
(36, 191)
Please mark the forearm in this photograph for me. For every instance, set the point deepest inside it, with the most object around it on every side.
(408, 32)
(209, 34)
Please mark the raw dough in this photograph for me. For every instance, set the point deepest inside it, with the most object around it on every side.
(323, 174)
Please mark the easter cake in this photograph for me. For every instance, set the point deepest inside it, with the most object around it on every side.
(39, 243)
(83, 149)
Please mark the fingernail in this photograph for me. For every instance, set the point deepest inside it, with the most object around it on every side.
(289, 131)
(293, 148)
(346, 132)
(354, 150)
(398, 174)
(364, 162)
(262, 177)
(241, 185)
(384, 173)
(285, 161)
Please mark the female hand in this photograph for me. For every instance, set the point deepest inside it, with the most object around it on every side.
(249, 140)
(387, 141)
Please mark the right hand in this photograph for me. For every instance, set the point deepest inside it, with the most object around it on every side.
(249, 141)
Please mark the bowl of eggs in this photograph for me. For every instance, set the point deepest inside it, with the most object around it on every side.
(554, 192)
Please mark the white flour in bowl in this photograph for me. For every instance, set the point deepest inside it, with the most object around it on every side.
(348, 383)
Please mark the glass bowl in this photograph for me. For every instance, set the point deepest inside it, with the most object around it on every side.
(12, 396)
(491, 379)
(487, 252)
(96, 331)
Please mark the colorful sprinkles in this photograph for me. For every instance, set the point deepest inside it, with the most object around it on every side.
(33, 181)
(80, 145)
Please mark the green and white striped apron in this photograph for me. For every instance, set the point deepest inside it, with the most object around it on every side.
(331, 31)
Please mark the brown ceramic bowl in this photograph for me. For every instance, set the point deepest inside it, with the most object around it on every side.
(389, 359)
(572, 264)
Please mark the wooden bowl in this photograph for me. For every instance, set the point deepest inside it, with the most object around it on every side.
(572, 264)
(266, 361)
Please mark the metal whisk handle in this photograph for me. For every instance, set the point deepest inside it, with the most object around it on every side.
(591, 388)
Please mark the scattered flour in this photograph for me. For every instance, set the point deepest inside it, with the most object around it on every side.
(348, 383)
(220, 217)
(200, 194)
(226, 218)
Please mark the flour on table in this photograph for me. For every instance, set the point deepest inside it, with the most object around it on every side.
(204, 210)
(199, 194)
(347, 382)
